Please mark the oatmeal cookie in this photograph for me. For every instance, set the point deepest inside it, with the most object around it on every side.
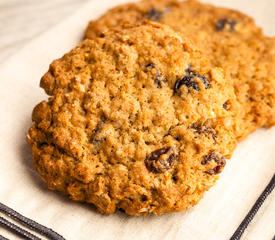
(135, 121)
(231, 40)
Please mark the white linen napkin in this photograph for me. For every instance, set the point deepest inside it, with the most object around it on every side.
(216, 217)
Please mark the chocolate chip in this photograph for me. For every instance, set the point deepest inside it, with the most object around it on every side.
(221, 23)
(157, 163)
(204, 129)
(219, 160)
(153, 14)
(188, 80)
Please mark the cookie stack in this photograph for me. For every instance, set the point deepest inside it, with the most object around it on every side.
(144, 113)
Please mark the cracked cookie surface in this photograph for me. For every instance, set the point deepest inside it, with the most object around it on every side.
(231, 40)
(117, 133)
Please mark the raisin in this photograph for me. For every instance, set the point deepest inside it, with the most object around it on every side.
(225, 105)
(150, 65)
(210, 172)
(97, 130)
(211, 156)
(204, 80)
(153, 14)
(43, 144)
(155, 163)
(144, 198)
(215, 170)
(121, 210)
(175, 178)
(188, 80)
(197, 126)
(204, 129)
(189, 70)
(220, 162)
(159, 80)
(221, 23)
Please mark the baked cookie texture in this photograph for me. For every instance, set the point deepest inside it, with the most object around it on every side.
(231, 40)
(136, 120)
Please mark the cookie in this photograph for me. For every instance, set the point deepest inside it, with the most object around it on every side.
(231, 40)
(134, 121)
